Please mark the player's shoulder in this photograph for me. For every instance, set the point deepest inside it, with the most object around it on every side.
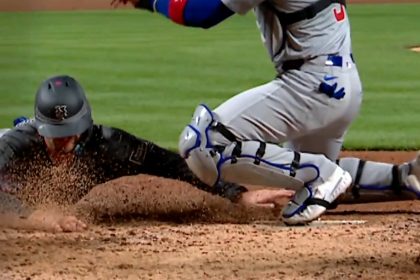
(23, 129)
(106, 132)
(114, 135)
(112, 130)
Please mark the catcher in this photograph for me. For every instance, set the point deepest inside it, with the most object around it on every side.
(289, 131)
(63, 134)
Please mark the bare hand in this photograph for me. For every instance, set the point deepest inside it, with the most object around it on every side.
(267, 198)
(116, 3)
(55, 222)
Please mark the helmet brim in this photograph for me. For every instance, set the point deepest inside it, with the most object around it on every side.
(63, 130)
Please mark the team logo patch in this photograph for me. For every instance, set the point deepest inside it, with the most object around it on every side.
(61, 112)
(139, 154)
(340, 15)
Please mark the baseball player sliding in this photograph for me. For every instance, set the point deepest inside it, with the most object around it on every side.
(62, 139)
(308, 108)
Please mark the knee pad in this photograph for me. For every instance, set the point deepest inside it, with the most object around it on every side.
(196, 148)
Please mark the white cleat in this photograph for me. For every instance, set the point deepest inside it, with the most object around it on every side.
(311, 202)
(412, 181)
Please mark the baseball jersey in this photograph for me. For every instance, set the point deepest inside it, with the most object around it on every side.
(326, 33)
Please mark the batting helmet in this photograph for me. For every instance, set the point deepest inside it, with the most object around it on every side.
(61, 108)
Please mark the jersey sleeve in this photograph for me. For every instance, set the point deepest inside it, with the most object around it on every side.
(172, 165)
(130, 155)
(241, 6)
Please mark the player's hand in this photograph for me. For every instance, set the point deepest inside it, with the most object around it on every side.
(55, 222)
(267, 198)
(116, 3)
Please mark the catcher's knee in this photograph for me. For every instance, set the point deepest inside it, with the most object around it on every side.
(196, 148)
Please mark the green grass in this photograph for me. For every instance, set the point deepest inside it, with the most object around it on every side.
(390, 74)
(146, 75)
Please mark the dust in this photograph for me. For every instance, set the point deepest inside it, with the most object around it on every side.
(39, 184)
(155, 198)
(56, 185)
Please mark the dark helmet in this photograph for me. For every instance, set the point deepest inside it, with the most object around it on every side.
(61, 108)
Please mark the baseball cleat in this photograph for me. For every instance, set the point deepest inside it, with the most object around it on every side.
(310, 202)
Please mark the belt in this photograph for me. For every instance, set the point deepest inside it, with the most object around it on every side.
(332, 60)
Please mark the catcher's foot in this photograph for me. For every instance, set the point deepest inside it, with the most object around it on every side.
(310, 202)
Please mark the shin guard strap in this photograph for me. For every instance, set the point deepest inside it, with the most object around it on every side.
(295, 164)
(260, 153)
(236, 152)
(219, 127)
(355, 189)
(396, 182)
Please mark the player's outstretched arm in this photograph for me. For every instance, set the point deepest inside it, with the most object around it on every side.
(15, 214)
(266, 198)
(172, 165)
(196, 13)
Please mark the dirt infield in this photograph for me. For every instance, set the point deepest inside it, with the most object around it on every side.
(143, 227)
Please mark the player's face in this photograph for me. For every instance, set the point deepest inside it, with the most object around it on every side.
(62, 145)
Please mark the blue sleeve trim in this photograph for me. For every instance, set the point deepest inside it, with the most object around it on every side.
(197, 13)
(162, 7)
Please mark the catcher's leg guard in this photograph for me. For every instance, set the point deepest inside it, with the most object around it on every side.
(247, 162)
(212, 152)
(196, 148)
(254, 162)
(376, 181)
(257, 163)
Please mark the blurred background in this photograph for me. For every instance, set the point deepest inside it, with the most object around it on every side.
(146, 75)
